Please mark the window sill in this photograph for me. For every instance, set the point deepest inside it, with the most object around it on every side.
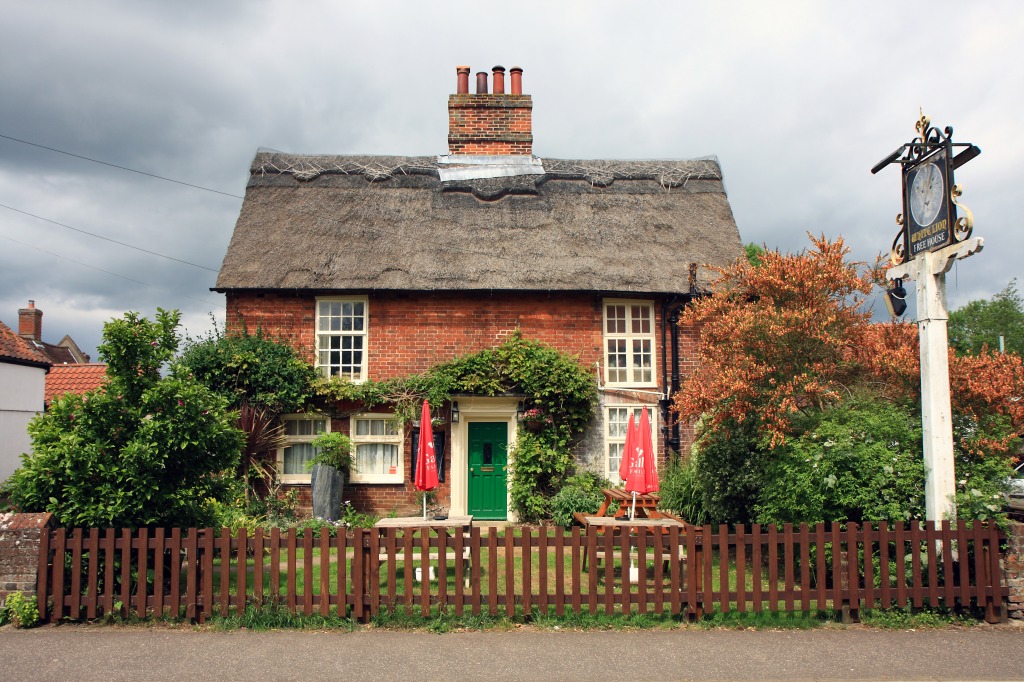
(389, 479)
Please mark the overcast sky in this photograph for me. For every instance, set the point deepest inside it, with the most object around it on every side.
(797, 100)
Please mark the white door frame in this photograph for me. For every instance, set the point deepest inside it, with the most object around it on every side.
(477, 409)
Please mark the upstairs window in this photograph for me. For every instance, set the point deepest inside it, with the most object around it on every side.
(629, 343)
(341, 337)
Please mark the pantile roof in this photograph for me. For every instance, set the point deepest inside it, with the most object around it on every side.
(74, 378)
(16, 350)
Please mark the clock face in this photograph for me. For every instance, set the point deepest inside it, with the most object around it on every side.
(926, 194)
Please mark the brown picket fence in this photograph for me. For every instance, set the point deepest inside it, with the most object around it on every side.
(521, 570)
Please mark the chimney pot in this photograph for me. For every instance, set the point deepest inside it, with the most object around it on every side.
(516, 73)
(499, 80)
(493, 126)
(463, 80)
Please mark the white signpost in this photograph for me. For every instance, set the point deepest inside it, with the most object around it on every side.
(932, 238)
(929, 270)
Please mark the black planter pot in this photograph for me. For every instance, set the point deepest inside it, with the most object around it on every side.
(328, 487)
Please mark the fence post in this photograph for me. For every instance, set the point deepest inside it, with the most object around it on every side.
(697, 574)
(995, 607)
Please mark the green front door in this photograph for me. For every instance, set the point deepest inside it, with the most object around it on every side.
(488, 457)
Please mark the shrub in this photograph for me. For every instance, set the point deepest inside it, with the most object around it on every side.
(333, 449)
(537, 473)
(252, 369)
(681, 494)
(19, 610)
(724, 467)
(580, 493)
(859, 462)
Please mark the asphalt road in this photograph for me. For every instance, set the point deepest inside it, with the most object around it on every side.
(71, 652)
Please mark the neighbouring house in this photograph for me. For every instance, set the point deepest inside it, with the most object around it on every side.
(71, 371)
(377, 267)
(23, 369)
(30, 328)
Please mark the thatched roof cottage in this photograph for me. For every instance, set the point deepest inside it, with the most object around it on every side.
(377, 267)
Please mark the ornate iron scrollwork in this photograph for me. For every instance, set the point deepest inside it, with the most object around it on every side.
(964, 225)
(898, 253)
(928, 138)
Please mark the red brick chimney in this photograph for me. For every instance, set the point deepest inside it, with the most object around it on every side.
(490, 123)
(30, 322)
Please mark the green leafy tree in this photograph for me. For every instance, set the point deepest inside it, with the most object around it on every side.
(143, 450)
(754, 253)
(981, 323)
(251, 369)
(263, 379)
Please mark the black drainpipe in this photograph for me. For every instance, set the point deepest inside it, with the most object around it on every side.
(669, 325)
(670, 313)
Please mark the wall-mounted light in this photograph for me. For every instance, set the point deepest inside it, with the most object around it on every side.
(455, 412)
(520, 410)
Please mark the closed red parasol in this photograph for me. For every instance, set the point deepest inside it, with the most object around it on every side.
(425, 477)
(627, 449)
(641, 475)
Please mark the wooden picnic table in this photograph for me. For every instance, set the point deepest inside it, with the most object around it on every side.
(458, 524)
(622, 501)
(664, 521)
(463, 522)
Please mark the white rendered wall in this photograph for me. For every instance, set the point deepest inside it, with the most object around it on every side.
(21, 397)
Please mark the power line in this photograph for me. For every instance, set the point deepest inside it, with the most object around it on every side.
(93, 267)
(124, 168)
(113, 241)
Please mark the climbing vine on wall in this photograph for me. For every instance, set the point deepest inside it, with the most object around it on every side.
(553, 383)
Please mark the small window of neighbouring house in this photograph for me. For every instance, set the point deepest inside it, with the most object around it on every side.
(299, 432)
(377, 441)
(629, 342)
(341, 334)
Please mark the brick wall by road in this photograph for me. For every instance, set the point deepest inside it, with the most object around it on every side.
(1013, 565)
(19, 551)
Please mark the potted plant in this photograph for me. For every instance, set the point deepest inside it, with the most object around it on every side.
(534, 419)
(330, 469)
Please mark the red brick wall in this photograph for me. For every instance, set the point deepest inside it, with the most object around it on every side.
(410, 333)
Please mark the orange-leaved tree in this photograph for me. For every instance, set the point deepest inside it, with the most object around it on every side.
(776, 338)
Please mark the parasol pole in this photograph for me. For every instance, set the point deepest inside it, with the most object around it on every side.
(424, 504)
(632, 512)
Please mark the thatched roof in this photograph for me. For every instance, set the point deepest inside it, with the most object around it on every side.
(362, 223)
